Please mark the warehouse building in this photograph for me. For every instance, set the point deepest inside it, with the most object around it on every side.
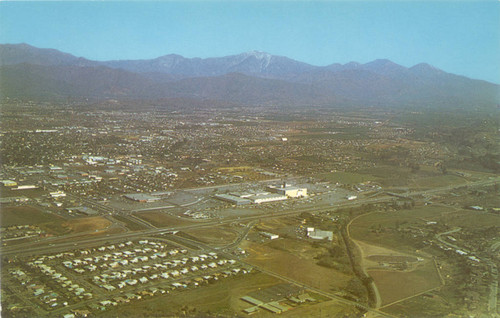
(319, 234)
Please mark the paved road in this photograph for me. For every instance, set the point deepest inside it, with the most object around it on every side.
(62, 243)
(42, 246)
(34, 247)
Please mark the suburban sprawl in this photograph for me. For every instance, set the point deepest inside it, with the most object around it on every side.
(231, 211)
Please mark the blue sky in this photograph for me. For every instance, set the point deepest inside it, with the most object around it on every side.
(461, 37)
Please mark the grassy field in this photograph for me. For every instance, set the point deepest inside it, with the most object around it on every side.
(222, 298)
(24, 215)
(395, 176)
(436, 181)
(332, 308)
(88, 224)
(345, 177)
(395, 285)
(472, 219)
(379, 228)
(290, 265)
(426, 305)
(376, 235)
(21, 215)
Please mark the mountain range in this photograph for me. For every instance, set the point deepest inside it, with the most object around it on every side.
(251, 78)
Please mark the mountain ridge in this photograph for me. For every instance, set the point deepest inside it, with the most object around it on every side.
(248, 78)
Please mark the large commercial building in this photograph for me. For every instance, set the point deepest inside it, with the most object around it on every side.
(233, 199)
(247, 198)
(269, 197)
(287, 190)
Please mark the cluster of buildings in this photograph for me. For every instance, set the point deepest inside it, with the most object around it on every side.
(112, 274)
(273, 193)
(18, 232)
(276, 299)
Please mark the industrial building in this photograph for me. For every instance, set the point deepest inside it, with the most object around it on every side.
(319, 234)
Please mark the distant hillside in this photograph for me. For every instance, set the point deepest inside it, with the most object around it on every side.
(248, 78)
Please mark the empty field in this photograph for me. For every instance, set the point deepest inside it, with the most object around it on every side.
(391, 261)
(346, 177)
(88, 224)
(391, 258)
(395, 285)
(436, 181)
(21, 215)
(380, 228)
(425, 305)
(300, 269)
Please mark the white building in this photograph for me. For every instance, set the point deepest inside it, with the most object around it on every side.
(289, 191)
(319, 234)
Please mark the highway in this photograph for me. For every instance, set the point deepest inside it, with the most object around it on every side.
(72, 241)
(61, 241)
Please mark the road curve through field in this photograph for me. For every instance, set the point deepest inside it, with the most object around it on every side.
(378, 299)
